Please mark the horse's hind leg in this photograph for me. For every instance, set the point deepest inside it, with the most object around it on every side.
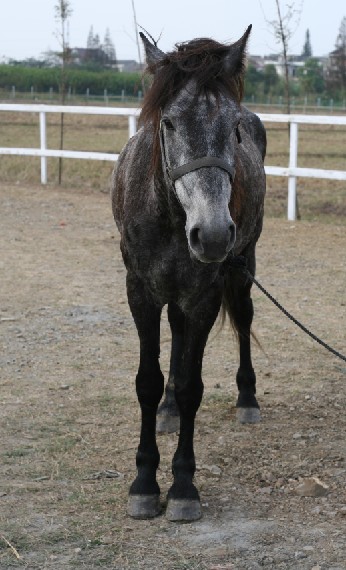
(144, 496)
(241, 312)
(168, 413)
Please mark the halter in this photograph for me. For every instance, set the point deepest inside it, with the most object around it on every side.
(205, 161)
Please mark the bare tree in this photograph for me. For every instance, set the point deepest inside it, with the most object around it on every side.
(137, 41)
(63, 12)
(136, 32)
(284, 27)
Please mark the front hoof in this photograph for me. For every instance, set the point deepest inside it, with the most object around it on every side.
(183, 510)
(248, 415)
(143, 506)
(166, 423)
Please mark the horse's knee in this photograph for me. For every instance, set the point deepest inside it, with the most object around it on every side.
(149, 387)
(189, 397)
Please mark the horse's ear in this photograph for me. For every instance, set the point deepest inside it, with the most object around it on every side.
(152, 52)
(235, 59)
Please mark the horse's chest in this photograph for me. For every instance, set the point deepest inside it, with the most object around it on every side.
(168, 272)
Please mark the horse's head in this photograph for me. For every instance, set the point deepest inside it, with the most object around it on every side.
(197, 90)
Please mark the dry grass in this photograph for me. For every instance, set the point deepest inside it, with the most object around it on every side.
(319, 146)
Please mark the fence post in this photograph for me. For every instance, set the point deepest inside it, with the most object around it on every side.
(43, 145)
(132, 125)
(292, 180)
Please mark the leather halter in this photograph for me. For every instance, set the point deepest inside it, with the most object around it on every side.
(205, 161)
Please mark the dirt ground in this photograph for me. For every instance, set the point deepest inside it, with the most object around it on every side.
(69, 416)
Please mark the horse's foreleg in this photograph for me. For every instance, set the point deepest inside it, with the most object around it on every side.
(248, 408)
(168, 413)
(241, 311)
(183, 498)
(144, 497)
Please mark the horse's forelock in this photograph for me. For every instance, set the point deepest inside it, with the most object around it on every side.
(201, 59)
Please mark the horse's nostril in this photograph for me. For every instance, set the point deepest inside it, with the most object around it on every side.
(195, 237)
(232, 233)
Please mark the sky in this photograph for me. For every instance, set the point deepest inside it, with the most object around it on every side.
(28, 27)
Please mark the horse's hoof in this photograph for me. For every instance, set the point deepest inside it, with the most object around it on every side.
(183, 510)
(166, 423)
(143, 506)
(248, 415)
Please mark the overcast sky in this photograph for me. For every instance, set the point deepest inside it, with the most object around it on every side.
(28, 27)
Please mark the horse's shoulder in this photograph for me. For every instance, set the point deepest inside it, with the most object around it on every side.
(255, 128)
(133, 197)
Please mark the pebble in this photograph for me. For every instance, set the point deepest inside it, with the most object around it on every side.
(308, 548)
(211, 470)
(311, 487)
(266, 490)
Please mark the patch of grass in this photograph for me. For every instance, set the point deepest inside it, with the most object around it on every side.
(19, 452)
(62, 444)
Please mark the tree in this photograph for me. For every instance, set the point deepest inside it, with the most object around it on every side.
(311, 77)
(271, 79)
(63, 11)
(283, 29)
(307, 50)
(338, 59)
(108, 46)
(90, 39)
(96, 42)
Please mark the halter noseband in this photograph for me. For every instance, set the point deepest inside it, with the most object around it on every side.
(204, 161)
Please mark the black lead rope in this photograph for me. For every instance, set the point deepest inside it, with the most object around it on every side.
(240, 262)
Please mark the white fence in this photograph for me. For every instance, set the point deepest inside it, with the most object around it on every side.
(292, 171)
(44, 152)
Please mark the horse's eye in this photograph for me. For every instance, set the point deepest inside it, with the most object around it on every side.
(168, 123)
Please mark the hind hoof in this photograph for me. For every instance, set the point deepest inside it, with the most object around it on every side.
(167, 424)
(143, 506)
(183, 510)
(248, 415)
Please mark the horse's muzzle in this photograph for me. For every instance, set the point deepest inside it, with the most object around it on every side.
(209, 245)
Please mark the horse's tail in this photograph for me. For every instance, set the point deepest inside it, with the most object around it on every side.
(227, 307)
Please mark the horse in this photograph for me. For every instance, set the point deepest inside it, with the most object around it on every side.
(187, 197)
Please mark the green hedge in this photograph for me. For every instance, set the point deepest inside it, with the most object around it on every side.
(42, 79)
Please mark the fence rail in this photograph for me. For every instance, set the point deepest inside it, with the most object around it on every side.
(43, 152)
(292, 171)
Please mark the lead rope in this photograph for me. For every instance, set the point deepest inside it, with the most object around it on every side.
(240, 263)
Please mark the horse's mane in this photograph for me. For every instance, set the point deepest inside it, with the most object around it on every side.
(201, 59)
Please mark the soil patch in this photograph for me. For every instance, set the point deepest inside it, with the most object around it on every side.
(70, 420)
